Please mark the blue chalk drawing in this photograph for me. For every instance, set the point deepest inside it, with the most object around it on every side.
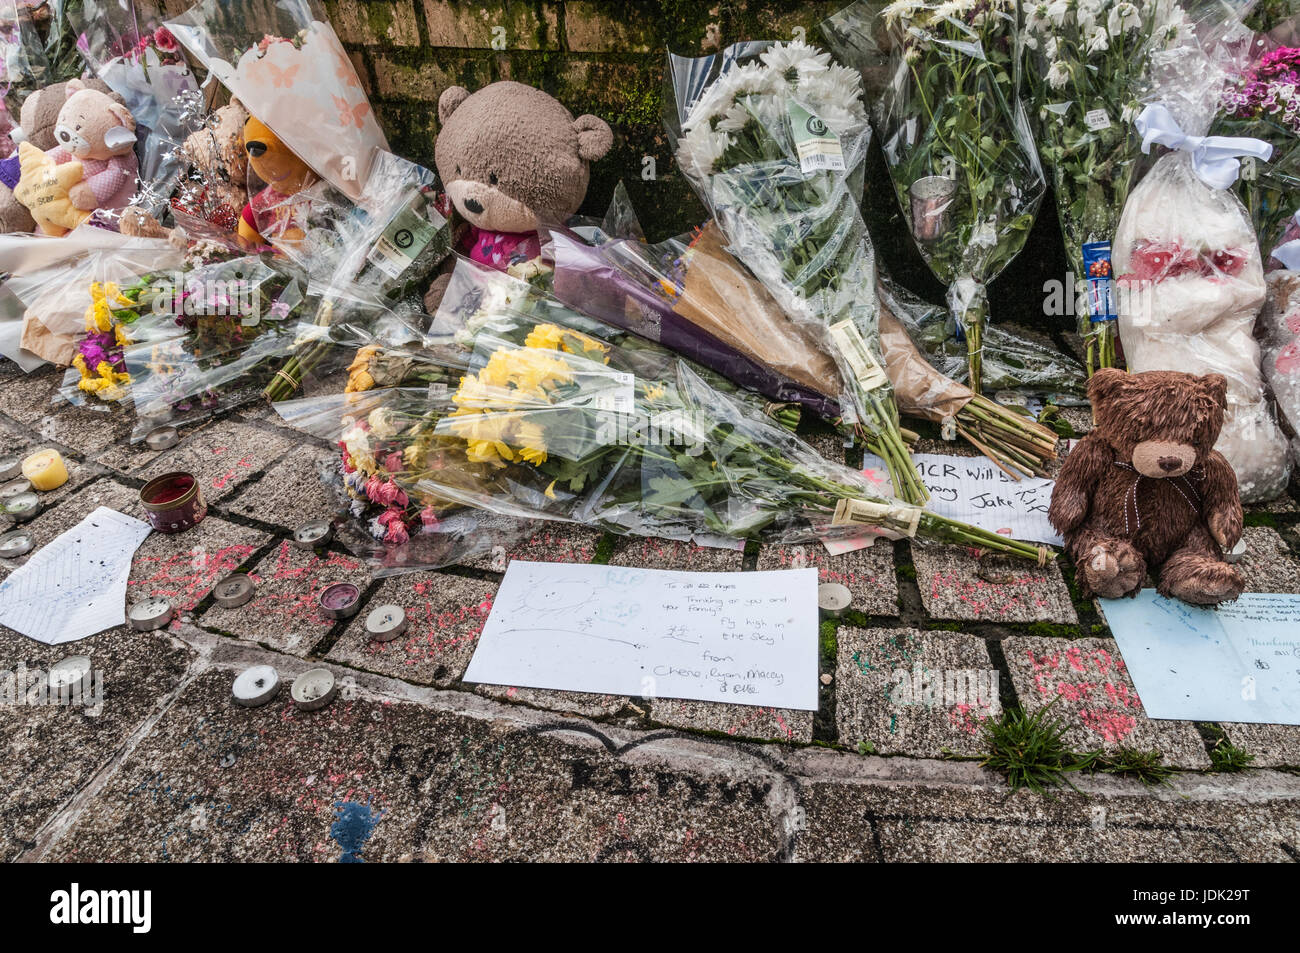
(353, 824)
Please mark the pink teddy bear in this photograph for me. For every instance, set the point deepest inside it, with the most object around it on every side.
(99, 132)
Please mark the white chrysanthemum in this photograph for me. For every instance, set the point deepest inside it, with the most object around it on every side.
(956, 9)
(1058, 75)
(795, 55)
(837, 86)
(1031, 42)
(734, 119)
(382, 424)
(840, 120)
(1058, 11)
(1050, 47)
(700, 149)
(1099, 42)
(1124, 17)
(900, 10)
(1037, 19)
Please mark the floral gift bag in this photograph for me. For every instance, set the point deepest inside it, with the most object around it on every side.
(287, 66)
(1190, 279)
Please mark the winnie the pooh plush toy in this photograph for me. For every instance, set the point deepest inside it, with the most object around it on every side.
(215, 187)
(507, 154)
(95, 133)
(266, 214)
(1147, 490)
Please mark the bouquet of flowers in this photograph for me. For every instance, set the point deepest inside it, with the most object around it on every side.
(23, 65)
(548, 430)
(1087, 62)
(213, 338)
(1264, 103)
(286, 65)
(772, 137)
(955, 137)
(99, 367)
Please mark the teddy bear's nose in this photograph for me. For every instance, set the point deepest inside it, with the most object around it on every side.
(474, 206)
(1169, 464)
(256, 148)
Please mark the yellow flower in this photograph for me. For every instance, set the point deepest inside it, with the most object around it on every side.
(549, 492)
(546, 336)
(531, 441)
(119, 334)
(654, 392)
(586, 346)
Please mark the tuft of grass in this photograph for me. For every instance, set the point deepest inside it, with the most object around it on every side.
(866, 747)
(1146, 766)
(1029, 750)
(1225, 757)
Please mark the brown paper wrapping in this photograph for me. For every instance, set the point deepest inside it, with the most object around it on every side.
(919, 389)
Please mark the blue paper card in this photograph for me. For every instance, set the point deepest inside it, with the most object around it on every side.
(1238, 662)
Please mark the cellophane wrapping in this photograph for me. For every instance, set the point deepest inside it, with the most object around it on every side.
(1190, 278)
(1279, 331)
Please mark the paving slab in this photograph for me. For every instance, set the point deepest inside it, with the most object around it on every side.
(284, 613)
(386, 781)
(183, 567)
(868, 573)
(86, 430)
(587, 704)
(968, 823)
(30, 398)
(1272, 745)
(1089, 687)
(739, 721)
(292, 491)
(550, 542)
(130, 458)
(904, 691)
(955, 584)
(223, 456)
(445, 616)
(1268, 565)
(828, 444)
(647, 552)
(51, 751)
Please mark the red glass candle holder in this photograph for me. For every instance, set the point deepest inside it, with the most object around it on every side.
(173, 502)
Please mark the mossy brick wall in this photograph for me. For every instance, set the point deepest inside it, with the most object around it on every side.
(607, 57)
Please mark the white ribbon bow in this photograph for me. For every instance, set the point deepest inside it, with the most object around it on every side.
(1214, 158)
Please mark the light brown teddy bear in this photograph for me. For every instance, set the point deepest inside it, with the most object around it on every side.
(215, 184)
(506, 155)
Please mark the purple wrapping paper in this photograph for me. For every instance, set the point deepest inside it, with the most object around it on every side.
(586, 281)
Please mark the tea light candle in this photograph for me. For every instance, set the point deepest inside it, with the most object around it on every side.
(45, 470)
(15, 488)
(340, 600)
(313, 689)
(312, 534)
(255, 686)
(149, 614)
(22, 506)
(832, 599)
(15, 544)
(173, 502)
(162, 438)
(233, 591)
(10, 467)
(386, 623)
(68, 672)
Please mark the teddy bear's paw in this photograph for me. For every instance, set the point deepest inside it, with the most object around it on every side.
(1113, 570)
(1206, 583)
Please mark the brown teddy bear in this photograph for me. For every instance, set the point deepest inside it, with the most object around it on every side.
(507, 154)
(215, 184)
(1147, 490)
(36, 121)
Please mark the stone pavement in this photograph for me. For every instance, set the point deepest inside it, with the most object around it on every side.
(416, 764)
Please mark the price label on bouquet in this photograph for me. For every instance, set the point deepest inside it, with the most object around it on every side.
(896, 516)
(615, 392)
(866, 369)
(818, 147)
(1096, 119)
(405, 237)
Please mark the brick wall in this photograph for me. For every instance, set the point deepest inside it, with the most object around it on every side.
(607, 57)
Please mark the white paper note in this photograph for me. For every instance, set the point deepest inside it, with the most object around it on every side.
(973, 490)
(742, 637)
(1238, 662)
(75, 586)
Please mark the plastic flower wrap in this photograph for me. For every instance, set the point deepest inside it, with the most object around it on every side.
(23, 65)
(140, 60)
(286, 65)
(1264, 103)
(772, 137)
(212, 339)
(99, 366)
(539, 431)
(1085, 63)
(1279, 331)
(1190, 279)
(955, 138)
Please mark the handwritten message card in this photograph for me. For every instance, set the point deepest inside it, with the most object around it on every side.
(973, 490)
(744, 637)
(1239, 662)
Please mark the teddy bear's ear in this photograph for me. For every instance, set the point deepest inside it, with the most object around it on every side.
(450, 99)
(123, 116)
(73, 86)
(1106, 383)
(1215, 386)
(595, 138)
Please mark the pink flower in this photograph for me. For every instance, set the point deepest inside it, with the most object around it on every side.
(373, 487)
(390, 516)
(397, 534)
(163, 39)
(1288, 359)
(428, 517)
(393, 463)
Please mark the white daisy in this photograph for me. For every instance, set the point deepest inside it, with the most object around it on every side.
(1099, 42)
(1124, 17)
(795, 55)
(1058, 11)
(1058, 75)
